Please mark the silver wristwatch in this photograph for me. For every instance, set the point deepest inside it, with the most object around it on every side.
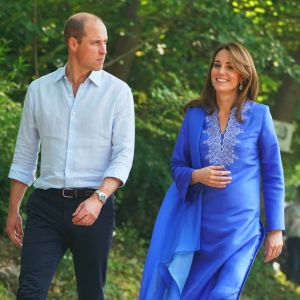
(101, 196)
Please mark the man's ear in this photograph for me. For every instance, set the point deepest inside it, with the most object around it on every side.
(72, 43)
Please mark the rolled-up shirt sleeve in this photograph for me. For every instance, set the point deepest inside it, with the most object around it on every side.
(24, 164)
(122, 138)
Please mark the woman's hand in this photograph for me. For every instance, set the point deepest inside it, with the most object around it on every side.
(214, 176)
(273, 245)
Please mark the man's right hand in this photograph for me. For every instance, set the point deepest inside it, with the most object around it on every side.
(14, 228)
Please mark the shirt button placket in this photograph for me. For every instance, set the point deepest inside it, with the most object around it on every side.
(70, 146)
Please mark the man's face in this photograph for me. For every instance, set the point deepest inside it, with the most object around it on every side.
(90, 52)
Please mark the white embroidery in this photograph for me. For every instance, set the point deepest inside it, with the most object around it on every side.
(221, 147)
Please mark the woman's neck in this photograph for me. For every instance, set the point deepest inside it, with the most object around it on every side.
(225, 103)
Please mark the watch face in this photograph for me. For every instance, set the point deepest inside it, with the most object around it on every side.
(102, 197)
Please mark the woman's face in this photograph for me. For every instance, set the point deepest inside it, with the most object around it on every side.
(223, 77)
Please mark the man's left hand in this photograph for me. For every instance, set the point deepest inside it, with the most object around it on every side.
(87, 212)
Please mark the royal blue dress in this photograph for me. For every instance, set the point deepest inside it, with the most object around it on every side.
(205, 239)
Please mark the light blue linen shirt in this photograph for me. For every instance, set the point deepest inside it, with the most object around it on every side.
(83, 139)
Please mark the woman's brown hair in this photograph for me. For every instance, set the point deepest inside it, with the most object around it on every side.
(242, 62)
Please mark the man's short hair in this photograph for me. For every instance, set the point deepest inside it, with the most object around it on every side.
(74, 26)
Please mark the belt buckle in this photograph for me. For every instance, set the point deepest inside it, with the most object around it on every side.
(67, 196)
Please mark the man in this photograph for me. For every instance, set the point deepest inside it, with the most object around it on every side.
(292, 216)
(83, 119)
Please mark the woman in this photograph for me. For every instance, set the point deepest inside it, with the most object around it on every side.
(208, 230)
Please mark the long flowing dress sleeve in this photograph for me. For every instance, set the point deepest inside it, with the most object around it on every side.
(181, 163)
(272, 174)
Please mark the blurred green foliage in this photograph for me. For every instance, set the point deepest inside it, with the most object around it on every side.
(266, 283)
(4, 293)
(172, 42)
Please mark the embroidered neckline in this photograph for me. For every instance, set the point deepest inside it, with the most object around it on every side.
(221, 147)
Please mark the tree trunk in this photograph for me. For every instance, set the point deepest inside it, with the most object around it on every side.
(125, 46)
(287, 99)
(35, 42)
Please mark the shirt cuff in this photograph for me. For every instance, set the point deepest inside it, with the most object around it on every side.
(19, 175)
(119, 173)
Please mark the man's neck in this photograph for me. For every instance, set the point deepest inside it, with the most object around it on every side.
(76, 76)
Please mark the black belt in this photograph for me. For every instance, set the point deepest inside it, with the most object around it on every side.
(73, 192)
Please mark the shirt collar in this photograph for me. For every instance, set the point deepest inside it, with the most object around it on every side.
(60, 72)
(95, 76)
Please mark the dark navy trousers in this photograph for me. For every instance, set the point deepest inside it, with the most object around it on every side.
(49, 232)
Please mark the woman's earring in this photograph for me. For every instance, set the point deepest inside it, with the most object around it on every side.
(241, 87)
